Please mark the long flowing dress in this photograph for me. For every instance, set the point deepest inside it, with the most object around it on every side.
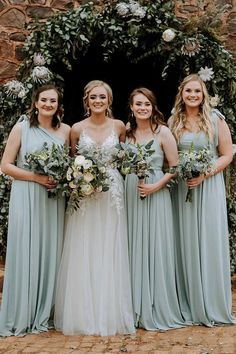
(203, 261)
(151, 252)
(34, 247)
(93, 292)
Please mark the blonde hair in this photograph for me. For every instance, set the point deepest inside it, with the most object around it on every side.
(89, 87)
(178, 120)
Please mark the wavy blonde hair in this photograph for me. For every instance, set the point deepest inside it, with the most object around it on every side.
(88, 88)
(178, 119)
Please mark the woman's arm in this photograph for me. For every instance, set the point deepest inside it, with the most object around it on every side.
(9, 157)
(74, 137)
(225, 149)
(225, 146)
(121, 130)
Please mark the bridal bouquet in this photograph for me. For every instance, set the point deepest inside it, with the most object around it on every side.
(134, 158)
(193, 164)
(87, 175)
(53, 161)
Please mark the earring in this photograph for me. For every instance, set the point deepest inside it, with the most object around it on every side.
(88, 113)
(36, 111)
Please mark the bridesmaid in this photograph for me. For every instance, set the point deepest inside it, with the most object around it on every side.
(35, 231)
(203, 263)
(150, 226)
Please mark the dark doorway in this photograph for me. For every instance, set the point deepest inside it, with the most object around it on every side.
(122, 76)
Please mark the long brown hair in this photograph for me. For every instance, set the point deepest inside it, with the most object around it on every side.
(33, 115)
(178, 120)
(156, 118)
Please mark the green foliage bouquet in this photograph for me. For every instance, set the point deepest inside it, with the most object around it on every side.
(87, 176)
(53, 161)
(133, 158)
(194, 163)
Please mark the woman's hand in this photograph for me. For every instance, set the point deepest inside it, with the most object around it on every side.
(146, 189)
(46, 181)
(196, 181)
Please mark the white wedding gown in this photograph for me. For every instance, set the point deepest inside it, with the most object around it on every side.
(93, 291)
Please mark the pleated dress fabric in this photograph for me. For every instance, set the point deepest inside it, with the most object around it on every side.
(34, 246)
(93, 293)
(202, 243)
(151, 252)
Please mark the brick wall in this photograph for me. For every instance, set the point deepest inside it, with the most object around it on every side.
(15, 15)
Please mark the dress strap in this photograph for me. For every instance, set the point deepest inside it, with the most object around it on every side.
(215, 116)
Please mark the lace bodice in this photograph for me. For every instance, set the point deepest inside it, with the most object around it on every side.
(105, 152)
(106, 148)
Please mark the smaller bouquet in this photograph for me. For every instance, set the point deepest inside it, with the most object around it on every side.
(134, 158)
(86, 176)
(193, 164)
(53, 161)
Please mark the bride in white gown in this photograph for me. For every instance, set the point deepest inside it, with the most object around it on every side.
(93, 291)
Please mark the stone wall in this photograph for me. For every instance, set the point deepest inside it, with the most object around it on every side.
(15, 15)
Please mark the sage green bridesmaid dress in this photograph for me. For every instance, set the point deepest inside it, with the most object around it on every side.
(34, 246)
(202, 245)
(151, 252)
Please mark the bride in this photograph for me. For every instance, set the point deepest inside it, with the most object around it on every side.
(93, 291)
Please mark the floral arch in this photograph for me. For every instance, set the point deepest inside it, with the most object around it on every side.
(142, 33)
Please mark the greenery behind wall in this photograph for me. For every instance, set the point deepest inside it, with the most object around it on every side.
(136, 30)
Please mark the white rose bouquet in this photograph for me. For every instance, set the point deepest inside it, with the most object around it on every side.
(86, 176)
(53, 161)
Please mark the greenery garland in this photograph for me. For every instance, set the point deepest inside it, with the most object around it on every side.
(136, 30)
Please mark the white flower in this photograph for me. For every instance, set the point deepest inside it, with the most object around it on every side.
(68, 174)
(102, 169)
(79, 160)
(39, 59)
(99, 189)
(214, 100)
(87, 189)
(22, 93)
(41, 74)
(14, 88)
(77, 174)
(87, 164)
(140, 12)
(88, 177)
(122, 8)
(206, 74)
(72, 184)
(168, 35)
(136, 9)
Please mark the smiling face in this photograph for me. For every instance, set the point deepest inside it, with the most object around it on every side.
(98, 100)
(192, 94)
(47, 103)
(141, 107)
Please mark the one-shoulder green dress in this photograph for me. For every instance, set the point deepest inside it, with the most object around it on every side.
(34, 246)
(202, 245)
